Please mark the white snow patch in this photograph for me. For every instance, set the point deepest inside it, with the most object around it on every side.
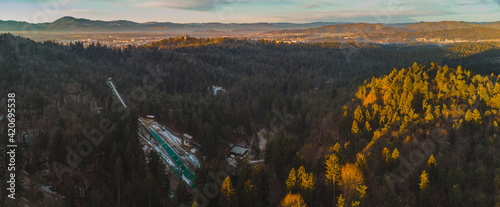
(145, 148)
(171, 138)
(155, 127)
(231, 162)
(45, 172)
(186, 180)
(165, 157)
(215, 89)
(48, 189)
(194, 160)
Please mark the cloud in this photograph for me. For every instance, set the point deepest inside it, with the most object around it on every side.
(79, 12)
(197, 5)
(319, 5)
(25, 1)
(356, 15)
(380, 11)
(214, 5)
(40, 2)
(376, 11)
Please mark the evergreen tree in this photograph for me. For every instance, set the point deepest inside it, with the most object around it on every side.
(341, 201)
(226, 198)
(332, 171)
(424, 188)
(293, 200)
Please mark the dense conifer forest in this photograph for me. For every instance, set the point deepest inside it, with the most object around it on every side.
(350, 124)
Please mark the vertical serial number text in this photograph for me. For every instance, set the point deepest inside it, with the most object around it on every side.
(11, 146)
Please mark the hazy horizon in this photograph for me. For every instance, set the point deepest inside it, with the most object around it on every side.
(338, 22)
(256, 11)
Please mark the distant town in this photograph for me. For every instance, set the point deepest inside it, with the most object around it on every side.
(125, 39)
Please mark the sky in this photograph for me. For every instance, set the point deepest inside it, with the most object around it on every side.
(251, 11)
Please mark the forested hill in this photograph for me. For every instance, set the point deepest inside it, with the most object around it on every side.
(72, 24)
(358, 28)
(428, 132)
(446, 30)
(443, 25)
(296, 91)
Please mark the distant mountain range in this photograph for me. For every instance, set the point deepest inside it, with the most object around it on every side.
(345, 28)
(430, 26)
(392, 28)
(451, 30)
(401, 32)
(71, 24)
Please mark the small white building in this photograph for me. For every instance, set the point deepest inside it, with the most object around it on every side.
(187, 139)
(238, 152)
